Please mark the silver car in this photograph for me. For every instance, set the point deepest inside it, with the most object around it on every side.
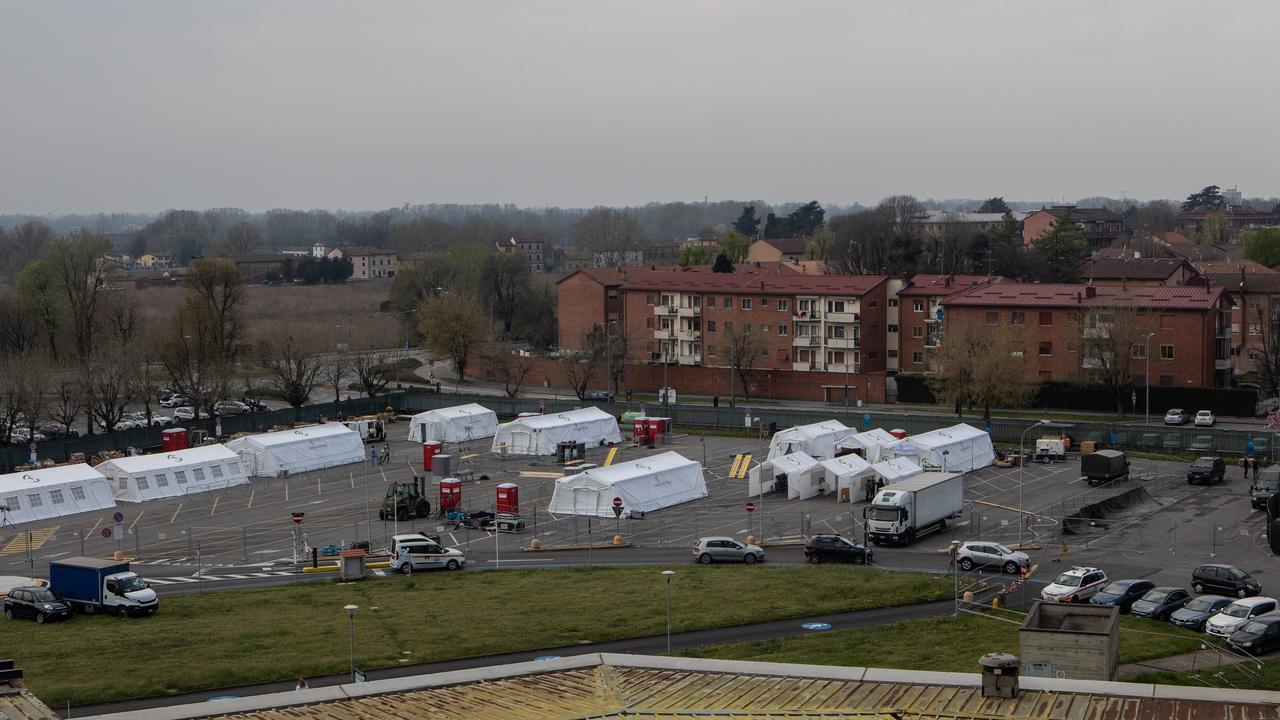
(990, 554)
(726, 549)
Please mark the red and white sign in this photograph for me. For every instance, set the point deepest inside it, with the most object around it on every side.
(751, 507)
(617, 502)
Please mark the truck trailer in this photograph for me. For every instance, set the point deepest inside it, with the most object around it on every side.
(919, 505)
(98, 585)
(1104, 466)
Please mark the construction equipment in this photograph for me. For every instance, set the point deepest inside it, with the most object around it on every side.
(371, 428)
(405, 500)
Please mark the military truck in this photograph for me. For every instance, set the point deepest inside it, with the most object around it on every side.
(405, 500)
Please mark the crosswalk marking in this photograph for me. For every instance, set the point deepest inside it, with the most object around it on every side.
(741, 463)
(181, 580)
(37, 537)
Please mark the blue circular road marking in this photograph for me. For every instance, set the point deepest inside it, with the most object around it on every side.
(816, 626)
(543, 658)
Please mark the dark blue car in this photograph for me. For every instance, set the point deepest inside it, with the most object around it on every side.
(1160, 603)
(1122, 593)
(1194, 613)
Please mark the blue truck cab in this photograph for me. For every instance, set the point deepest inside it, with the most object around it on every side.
(98, 585)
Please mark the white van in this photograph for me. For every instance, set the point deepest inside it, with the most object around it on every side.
(410, 553)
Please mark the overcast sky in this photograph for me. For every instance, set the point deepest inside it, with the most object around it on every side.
(142, 106)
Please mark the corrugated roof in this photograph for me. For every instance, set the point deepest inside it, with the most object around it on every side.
(937, 284)
(840, 285)
(604, 276)
(1253, 281)
(1079, 214)
(1129, 268)
(1154, 297)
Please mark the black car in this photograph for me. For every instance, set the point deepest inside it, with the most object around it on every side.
(1207, 470)
(1160, 603)
(1259, 635)
(37, 603)
(1122, 593)
(1194, 613)
(834, 548)
(1224, 579)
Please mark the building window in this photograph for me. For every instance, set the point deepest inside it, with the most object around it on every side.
(1166, 380)
(1046, 318)
(893, 328)
(917, 358)
(1046, 348)
(650, 300)
(783, 304)
(764, 302)
(728, 326)
(1019, 318)
(893, 302)
(1139, 352)
(1166, 322)
(746, 328)
(1017, 354)
(1254, 303)
(764, 328)
(872, 355)
(745, 304)
(782, 329)
(728, 303)
(993, 318)
(917, 306)
(711, 326)
(1255, 328)
(835, 306)
(1046, 375)
(649, 323)
(893, 353)
(1166, 352)
(873, 303)
(835, 331)
(917, 331)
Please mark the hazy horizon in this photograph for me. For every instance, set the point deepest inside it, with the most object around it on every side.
(140, 106)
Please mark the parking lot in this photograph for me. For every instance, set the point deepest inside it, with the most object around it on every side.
(234, 531)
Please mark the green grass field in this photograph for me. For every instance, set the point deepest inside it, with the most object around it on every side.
(942, 643)
(1268, 678)
(227, 638)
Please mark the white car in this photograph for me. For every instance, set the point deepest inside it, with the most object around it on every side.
(1205, 418)
(125, 423)
(1076, 585)
(158, 420)
(1234, 616)
(1176, 416)
(989, 554)
(411, 553)
(173, 401)
(187, 413)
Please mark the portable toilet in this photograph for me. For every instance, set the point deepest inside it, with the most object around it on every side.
(450, 494)
(173, 439)
(647, 429)
(509, 498)
(430, 449)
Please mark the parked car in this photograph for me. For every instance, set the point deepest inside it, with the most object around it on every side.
(1259, 635)
(989, 554)
(37, 603)
(596, 395)
(1224, 579)
(834, 548)
(174, 401)
(726, 549)
(230, 407)
(1206, 471)
(125, 423)
(1160, 603)
(1076, 585)
(1234, 616)
(1205, 418)
(1176, 416)
(187, 413)
(417, 552)
(1193, 615)
(53, 430)
(1122, 593)
(255, 405)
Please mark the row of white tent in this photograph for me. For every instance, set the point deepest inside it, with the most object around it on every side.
(531, 435)
(958, 448)
(69, 489)
(644, 485)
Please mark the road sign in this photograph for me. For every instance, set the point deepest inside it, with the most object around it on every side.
(118, 517)
(617, 503)
(751, 507)
(106, 533)
(297, 518)
(117, 532)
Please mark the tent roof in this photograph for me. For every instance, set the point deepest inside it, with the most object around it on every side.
(816, 429)
(637, 468)
(878, 436)
(176, 458)
(309, 432)
(45, 477)
(946, 436)
(468, 410)
(896, 467)
(846, 465)
(560, 419)
(793, 462)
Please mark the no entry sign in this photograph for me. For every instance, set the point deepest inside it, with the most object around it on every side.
(751, 507)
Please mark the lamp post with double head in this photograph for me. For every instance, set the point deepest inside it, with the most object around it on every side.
(1146, 374)
(668, 574)
(1022, 462)
(351, 627)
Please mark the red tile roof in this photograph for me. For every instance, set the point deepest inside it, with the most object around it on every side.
(789, 246)
(604, 275)
(1180, 297)
(934, 285)
(699, 282)
(1129, 268)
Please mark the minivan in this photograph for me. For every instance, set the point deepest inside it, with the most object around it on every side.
(410, 553)
(1224, 580)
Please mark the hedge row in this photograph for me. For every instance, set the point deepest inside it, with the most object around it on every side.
(1063, 395)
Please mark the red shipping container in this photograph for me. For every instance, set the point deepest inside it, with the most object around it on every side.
(509, 498)
(450, 494)
(430, 450)
(173, 439)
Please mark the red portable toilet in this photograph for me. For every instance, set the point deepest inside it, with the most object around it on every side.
(173, 439)
(450, 494)
(640, 430)
(430, 449)
(649, 428)
(898, 433)
(509, 498)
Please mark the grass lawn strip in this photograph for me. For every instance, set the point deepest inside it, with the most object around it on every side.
(1230, 676)
(227, 638)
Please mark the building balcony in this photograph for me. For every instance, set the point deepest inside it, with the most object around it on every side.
(843, 317)
(666, 310)
(838, 368)
(690, 334)
(689, 360)
(804, 341)
(689, 311)
(802, 366)
(664, 334)
(1221, 364)
(835, 342)
(807, 315)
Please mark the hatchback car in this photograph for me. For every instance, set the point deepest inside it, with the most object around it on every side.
(37, 603)
(1176, 416)
(1205, 418)
(726, 549)
(1259, 635)
(1076, 585)
(1234, 616)
(1225, 580)
(1160, 603)
(230, 407)
(1206, 471)
(1194, 613)
(187, 413)
(988, 554)
(411, 553)
(1122, 593)
(834, 548)
(174, 401)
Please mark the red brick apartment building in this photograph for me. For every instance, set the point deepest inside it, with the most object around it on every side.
(1189, 326)
(1254, 302)
(1100, 226)
(920, 322)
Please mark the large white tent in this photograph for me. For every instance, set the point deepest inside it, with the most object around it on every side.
(539, 434)
(181, 472)
(844, 473)
(460, 423)
(873, 445)
(765, 475)
(959, 448)
(896, 469)
(286, 452)
(53, 492)
(817, 439)
(647, 484)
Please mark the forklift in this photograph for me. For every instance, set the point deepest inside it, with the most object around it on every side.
(405, 500)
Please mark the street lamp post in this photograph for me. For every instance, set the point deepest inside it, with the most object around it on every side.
(668, 574)
(351, 623)
(1022, 462)
(1146, 374)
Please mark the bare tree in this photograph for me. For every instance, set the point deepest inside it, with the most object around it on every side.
(241, 239)
(742, 350)
(1107, 339)
(579, 369)
(335, 369)
(108, 388)
(373, 369)
(1267, 358)
(83, 275)
(215, 292)
(146, 377)
(981, 367)
(68, 401)
(506, 280)
(32, 388)
(609, 233)
(453, 325)
(188, 352)
(511, 366)
(293, 368)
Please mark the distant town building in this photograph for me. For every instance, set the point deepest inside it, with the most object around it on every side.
(1137, 270)
(535, 249)
(367, 263)
(778, 249)
(936, 223)
(1101, 227)
(155, 261)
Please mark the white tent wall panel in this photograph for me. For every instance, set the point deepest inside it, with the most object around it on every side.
(539, 434)
(182, 472)
(764, 475)
(461, 423)
(313, 447)
(644, 485)
(53, 492)
(818, 440)
(958, 448)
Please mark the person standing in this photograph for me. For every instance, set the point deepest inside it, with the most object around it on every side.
(1244, 466)
(1255, 469)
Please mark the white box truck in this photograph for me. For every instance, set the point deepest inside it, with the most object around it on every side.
(917, 506)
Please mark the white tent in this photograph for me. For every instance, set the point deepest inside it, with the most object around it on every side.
(53, 492)
(959, 448)
(872, 445)
(818, 439)
(166, 474)
(460, 423)
(539, 434)
(843, 473)
(650, 483)
(896, 469)
(286, 452)
(765, 474)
